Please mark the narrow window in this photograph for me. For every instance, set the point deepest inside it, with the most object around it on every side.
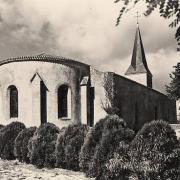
(64, 102)
(155, 113)
(13, 101)
(136, 114)
(168, 115)
(43, 102)
(91, 114)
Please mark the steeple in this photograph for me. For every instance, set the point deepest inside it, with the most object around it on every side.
(138, 61)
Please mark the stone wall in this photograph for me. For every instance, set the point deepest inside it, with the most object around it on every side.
(139, 104)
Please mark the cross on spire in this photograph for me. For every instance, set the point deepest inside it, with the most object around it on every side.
(137, 16)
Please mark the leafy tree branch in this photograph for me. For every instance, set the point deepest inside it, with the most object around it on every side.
(168, 9)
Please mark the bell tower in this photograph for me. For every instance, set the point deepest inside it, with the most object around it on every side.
(138, 69)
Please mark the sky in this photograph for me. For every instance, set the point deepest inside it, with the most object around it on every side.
(85, 30)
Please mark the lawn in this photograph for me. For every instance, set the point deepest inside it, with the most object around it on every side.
(14, 170)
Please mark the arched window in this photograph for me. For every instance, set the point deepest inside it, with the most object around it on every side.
(64, 102)
(13, 101)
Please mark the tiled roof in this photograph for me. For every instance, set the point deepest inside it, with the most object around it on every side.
(45, 58)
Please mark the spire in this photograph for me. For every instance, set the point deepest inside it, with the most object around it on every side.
(138, 61)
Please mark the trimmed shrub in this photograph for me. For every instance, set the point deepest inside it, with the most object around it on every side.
(101, 142)
(8, 135)
(1, 126)
(115, 132)
(118, 167)
(153, 152)
(41, 146)
(69, 145)
(92, 139)
(21, 144)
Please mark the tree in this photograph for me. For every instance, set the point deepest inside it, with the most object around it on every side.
(167, 9)
(173, 90)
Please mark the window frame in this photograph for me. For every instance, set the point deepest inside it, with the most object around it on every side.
(64, 110)
(13, 101)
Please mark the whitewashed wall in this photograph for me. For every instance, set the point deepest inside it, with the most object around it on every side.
(53, 75)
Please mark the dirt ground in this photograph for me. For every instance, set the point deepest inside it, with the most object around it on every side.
(14, 170)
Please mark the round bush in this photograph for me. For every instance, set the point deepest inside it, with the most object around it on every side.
(115, 132)
(153, 152)
(118, 167)
(92, 139)
(21, 144)
(8, 135)
(68, 146)
(100, 142)
(41, 146)
(1, 126)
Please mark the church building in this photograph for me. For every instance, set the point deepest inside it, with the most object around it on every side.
(46, 88)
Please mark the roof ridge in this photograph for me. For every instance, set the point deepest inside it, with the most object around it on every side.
(44, 57)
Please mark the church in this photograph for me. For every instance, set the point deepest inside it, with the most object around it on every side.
(46, 88)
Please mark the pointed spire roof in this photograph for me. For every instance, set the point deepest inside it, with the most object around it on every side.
(138, 61)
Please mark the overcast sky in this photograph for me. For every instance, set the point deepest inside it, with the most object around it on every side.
(85, 30)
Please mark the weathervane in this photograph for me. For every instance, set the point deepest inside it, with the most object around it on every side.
(137, 16)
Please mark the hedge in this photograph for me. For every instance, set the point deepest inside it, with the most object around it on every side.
(119, 166)
(115, 132)
(154, 152)
(101, 142)
(41, 146)
(68, 146)
(8, 135)
(92, 140)
(1, 126)
(21, 144)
